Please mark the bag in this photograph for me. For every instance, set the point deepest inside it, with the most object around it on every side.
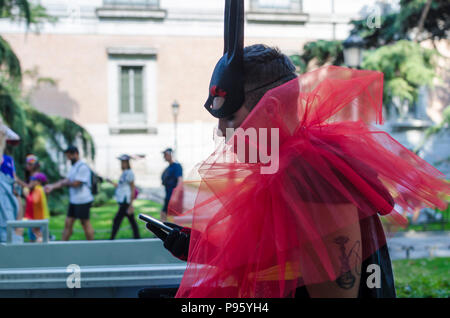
(95, 180)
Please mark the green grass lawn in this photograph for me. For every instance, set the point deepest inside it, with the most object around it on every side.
(427, 227)
(102, 218)
(422, 278)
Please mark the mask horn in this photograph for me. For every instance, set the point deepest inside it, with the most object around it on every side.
(234, 29)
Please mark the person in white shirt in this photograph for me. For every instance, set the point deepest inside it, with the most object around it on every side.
(80, 196)
(125, 195)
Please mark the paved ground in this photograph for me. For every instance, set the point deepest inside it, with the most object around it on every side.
(419, 245)
(154, 194)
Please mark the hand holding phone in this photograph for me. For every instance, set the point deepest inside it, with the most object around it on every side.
(155, 223)
(176, 238)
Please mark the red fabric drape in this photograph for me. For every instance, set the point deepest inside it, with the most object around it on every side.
(264, 235)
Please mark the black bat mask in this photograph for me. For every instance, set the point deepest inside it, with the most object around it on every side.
(226, 89)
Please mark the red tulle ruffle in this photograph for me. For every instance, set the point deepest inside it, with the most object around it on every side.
(265, 235)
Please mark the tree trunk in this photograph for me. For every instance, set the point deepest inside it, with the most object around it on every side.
(423, 16)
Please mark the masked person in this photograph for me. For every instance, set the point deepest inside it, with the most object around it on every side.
(290, 204)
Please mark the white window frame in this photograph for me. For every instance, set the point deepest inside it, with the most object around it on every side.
(296, 7)
(145, 58)
(132, 114)
(292, 15)
(124, 3)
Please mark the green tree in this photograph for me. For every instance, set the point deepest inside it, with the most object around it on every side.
(41, 134)
(436, 129)
(318, 53)
(18, 10)
(406, 67)
(416, 20)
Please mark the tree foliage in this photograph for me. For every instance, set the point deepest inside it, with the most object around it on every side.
(319, 53)
(406, 67)
(41, 134)
(404, 23)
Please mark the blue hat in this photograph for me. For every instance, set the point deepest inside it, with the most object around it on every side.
(124, 157)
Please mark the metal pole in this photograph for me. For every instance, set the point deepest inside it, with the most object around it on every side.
(175, 141)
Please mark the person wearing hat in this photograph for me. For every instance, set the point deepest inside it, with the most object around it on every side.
(9, 169)
(171, 177)
(80, 196)
(9, 137)
(9, 206)
(312, 227)
(125, 194)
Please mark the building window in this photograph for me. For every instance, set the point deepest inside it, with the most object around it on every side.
(131, 94)
(132, 90)
(132, 3)
(277, 11)
(291, 6)
(131, 9)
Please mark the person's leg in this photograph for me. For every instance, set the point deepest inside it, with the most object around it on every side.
(163, 215)
(38, 234)
(134, 225)
(68, 228)
(118, 219)
(19, 231)
(88, 229)
(84, 212)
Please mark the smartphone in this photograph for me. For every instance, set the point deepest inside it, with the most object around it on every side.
(155, 222)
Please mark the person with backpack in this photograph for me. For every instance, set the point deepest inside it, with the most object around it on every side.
(125, 194)
(80, 184)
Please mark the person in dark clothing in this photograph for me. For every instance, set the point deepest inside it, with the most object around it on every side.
(311, 228)
(170, 178)
(125, 195)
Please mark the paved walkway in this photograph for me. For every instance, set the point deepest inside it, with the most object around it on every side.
(153, 194)
(419, 245)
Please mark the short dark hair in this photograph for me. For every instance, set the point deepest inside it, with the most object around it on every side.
(264, 68)
(71, 150)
